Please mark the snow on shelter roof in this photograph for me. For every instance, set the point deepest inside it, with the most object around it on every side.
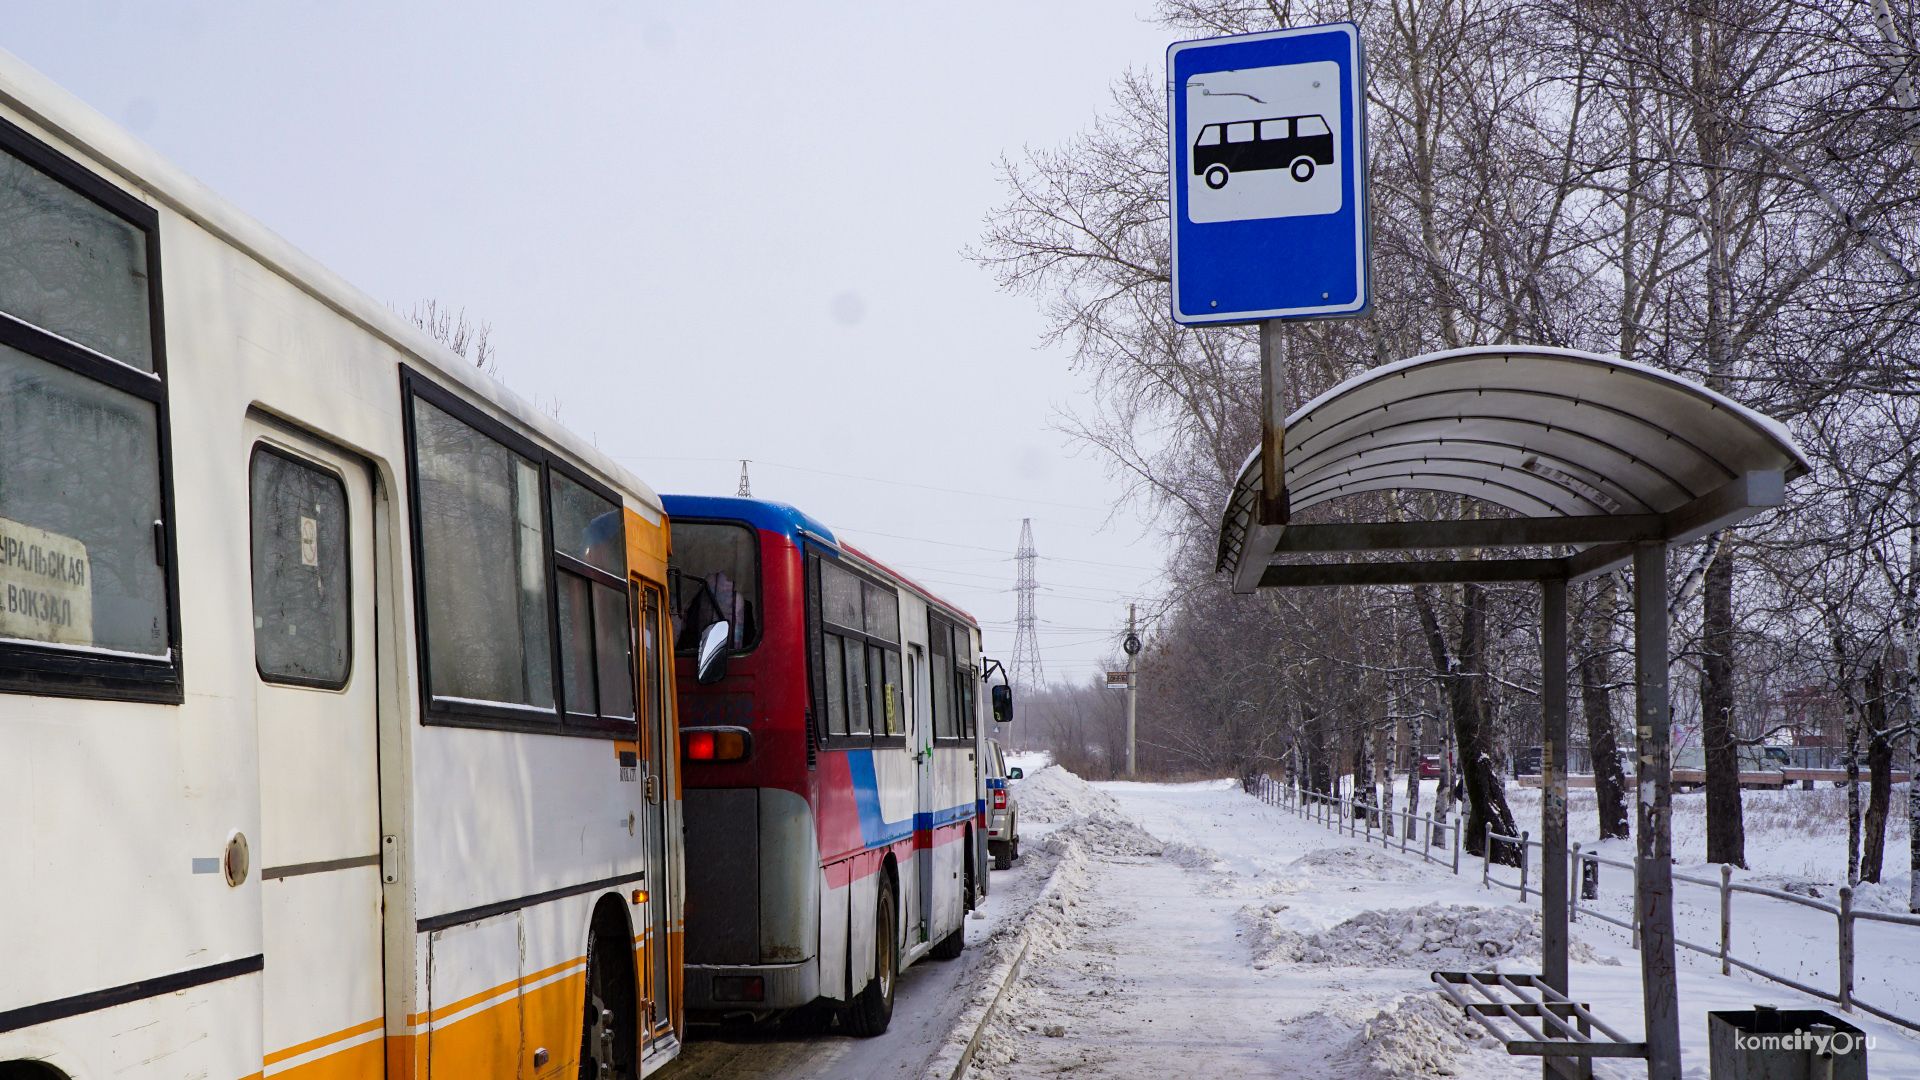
(1545, 433)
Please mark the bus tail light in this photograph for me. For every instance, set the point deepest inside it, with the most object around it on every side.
(716, 743)
(739, 988)
(999, 798)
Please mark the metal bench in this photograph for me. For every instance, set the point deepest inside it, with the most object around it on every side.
(1531, 1018)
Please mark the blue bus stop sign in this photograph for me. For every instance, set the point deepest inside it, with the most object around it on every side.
(1267, 182)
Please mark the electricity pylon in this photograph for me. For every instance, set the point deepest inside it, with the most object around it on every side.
(1027, 674)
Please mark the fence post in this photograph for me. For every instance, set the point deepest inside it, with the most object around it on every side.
(1486, 857)
(1726, 915)
(1456, 849)
(1526, 858)
(1846, 948)
(1573, 885)
(1406, 826)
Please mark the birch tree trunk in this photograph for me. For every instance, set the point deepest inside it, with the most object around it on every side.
(1596, 699)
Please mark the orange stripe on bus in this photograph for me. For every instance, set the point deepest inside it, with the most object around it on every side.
(447, 1010)
(315, 1044)
(362, 1061)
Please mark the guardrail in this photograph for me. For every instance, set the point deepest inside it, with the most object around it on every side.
(1340, 813)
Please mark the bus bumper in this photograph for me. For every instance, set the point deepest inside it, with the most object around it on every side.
(782, 986)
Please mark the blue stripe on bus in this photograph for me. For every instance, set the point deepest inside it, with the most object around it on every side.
(875, 830)
(952, 815)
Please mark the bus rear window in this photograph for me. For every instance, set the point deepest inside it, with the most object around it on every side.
(716, 575)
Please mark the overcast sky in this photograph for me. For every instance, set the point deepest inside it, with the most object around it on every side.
(707, 232)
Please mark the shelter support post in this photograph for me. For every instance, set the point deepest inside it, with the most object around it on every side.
(1273, 426)
(1553, 799)
(1553, 782)
(1653, 832)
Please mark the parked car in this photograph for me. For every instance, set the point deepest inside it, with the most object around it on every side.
(1003, 810)
(1430, 767)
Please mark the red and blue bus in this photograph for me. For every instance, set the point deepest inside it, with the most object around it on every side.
(833, 744)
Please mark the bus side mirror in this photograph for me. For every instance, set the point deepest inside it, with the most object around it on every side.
(710, 665)
(1003, 704)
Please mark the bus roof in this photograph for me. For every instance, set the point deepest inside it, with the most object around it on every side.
(792, 523)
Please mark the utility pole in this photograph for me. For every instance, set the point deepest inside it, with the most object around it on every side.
(1132, 646)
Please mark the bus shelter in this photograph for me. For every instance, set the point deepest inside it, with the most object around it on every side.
(1600, 463)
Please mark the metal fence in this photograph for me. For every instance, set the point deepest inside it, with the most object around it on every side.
(1340, 813)
(1369, 823)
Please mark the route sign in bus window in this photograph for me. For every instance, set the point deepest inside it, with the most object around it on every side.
(79, 501)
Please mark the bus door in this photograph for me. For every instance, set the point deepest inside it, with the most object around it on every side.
(656, 748)
(316, 714)
(921, 725)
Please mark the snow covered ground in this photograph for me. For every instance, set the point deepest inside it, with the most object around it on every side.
(1191, 930)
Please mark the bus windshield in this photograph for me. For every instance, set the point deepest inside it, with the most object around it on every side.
(715, 575)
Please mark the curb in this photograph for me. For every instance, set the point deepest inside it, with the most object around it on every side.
(973, 1044)
(1024, 938)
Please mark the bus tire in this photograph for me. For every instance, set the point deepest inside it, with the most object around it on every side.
(872, 1009)
(610, 1019)
(1217, 176)
(1302, 169)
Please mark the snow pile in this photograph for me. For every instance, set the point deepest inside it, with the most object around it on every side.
(1420, 1038)
(1361, 863)
(1437, 937)
(1056, 796)
(1191, 856)
(1102, 833)
(1889, 896)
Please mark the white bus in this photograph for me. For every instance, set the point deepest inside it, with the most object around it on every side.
(336, 702)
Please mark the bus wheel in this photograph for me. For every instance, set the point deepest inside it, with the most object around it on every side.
(1217, 176)
(607, 1036)
(872, 1010)
(1302, 169)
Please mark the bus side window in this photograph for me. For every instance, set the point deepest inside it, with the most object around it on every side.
(940, 644)
(80, 446)
(1271, 130)
(596, 628)
(836, 685)
(480, 521)
(1239, 133)
(1209, 136)
(1312, 125)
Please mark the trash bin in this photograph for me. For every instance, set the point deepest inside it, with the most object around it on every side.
(1767, 1043)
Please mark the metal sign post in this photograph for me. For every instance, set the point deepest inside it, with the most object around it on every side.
(1132, 647)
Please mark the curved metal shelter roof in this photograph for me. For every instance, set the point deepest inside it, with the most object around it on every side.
(1545, 433)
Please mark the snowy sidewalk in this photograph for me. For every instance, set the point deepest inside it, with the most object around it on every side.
(1258, 944)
